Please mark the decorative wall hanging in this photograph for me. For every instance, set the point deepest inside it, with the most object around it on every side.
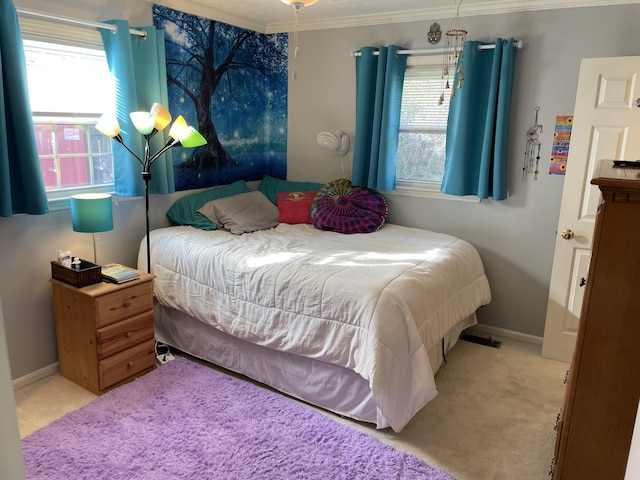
(532, 150)
(560, 147)
(231, 84)
(453, 58)
(434, 34)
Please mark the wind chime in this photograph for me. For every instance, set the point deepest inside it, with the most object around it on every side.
(532, 150)
(453, 58)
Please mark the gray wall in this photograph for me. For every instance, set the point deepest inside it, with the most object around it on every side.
(514, 237)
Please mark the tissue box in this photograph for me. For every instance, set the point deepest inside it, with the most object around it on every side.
(88, 273)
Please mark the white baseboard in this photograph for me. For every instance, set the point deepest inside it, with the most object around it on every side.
(487, 330)
(34, 377)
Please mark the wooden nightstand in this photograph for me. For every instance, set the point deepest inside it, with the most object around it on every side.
(105, 332)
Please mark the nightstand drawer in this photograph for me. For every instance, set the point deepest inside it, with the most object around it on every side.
(123, 303)
(122, 335)
(125, 364)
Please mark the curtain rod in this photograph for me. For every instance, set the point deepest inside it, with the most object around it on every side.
(75, 21)
(438, 51)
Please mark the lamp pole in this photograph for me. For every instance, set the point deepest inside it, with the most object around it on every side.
(146, 176)
(148, 124)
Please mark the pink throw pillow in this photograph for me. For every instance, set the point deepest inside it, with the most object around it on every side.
(295, 207)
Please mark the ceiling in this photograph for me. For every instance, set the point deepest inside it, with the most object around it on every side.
(273, 16)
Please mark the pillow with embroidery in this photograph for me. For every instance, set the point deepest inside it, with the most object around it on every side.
(295, 207)
(271, 186)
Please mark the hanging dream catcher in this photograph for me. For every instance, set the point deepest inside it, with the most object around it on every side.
(532, 150)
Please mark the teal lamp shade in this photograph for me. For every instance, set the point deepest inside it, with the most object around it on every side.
(91, 212)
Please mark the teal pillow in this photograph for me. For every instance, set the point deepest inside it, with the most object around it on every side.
(184, 210)
(271, 187)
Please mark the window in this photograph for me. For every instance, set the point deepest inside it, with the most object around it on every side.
(70, 87)
(423, 128)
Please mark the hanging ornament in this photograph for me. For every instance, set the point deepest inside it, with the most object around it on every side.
(532, 150)
(453, 57)
(434, 34)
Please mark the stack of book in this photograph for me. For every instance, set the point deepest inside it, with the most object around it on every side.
(116, 273)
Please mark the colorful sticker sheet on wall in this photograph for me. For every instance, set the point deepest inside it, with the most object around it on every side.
(560, 146)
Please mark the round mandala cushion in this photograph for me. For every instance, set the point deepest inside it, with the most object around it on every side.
(340, 207)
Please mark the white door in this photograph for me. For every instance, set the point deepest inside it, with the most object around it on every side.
(606, 126)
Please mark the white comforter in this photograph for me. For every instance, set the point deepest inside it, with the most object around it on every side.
(373, 303)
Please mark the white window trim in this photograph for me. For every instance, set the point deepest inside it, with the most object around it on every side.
(427, 190)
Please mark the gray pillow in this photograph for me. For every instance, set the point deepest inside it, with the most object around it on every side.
(242, 213)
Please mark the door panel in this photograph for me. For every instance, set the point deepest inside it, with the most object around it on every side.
(606, 125)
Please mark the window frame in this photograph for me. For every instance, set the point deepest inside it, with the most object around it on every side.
(57, 118)
(424, 189)
(44, 31)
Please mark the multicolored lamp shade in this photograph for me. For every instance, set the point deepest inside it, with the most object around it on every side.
(92, 213)
(148, 124)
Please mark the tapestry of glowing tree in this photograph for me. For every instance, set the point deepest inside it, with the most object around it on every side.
(231, 84)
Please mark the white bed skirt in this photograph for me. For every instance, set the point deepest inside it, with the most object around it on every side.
(328, 386)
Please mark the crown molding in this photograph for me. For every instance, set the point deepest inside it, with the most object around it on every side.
(438, 13)
(212, 13)
(471, 9)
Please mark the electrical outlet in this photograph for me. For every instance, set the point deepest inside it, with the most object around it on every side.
(164, 358)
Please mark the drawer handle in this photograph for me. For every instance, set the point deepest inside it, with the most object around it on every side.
(130, 364)
(129, 334)
(124, 305)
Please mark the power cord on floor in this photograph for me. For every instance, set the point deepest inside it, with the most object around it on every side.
(163, 353)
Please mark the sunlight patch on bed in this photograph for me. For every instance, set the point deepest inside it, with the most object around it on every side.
(278, 257)
(377, 258)
(401, 257)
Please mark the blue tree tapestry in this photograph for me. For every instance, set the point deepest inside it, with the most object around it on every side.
(231, 84)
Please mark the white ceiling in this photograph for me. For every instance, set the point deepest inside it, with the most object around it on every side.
(273, 16)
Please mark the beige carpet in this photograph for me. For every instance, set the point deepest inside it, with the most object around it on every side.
(492, 419)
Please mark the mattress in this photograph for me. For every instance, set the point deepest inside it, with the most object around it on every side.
(373, 304)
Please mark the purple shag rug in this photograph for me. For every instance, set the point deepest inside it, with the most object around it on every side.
(186, 421)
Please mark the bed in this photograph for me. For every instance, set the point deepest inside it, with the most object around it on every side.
(355, 324)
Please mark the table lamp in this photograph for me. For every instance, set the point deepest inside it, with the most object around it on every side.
(92, 213)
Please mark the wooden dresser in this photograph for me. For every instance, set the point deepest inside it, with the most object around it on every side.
(105, 332)
(596, 424)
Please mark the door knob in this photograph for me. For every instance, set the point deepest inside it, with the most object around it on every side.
(567, 234)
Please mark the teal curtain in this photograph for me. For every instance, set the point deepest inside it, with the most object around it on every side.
(21, 183)
(139, 67)
(478, 125)
(379, 82)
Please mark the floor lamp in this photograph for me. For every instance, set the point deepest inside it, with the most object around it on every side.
(92, 213)
(148, 124)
